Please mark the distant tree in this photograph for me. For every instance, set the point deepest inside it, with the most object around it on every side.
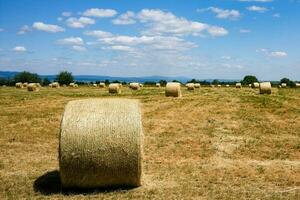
(3, 81)
(65, 77)
(288, 82)
(149, 83)
(176, 81)
(27, 77)
(116, 81)
(124, 83)
(97, 82)
(163, 82)
(249, 79)
(215, 82)
(46, 81)
(106, 82)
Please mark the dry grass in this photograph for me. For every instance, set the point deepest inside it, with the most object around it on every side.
(210, 144)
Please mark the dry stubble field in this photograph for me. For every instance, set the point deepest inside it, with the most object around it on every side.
(213, 143)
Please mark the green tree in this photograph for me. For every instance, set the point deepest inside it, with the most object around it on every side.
(46, 81)
(27, 77)
(106, 82)
(288, 82)
(215, 82)
(163, 82)
(249, 79)
(65, 77)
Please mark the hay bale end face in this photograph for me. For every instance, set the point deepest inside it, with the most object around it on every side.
(134, 86)
(32, 87)
(190, 86)
(227, 85)
(114, 88)
(19, 85)
(297, 85)
(173, 90)
(197, 85)
(265, 88)
(157, 84)
(101, 143)
(219, 85)
(54, 85)
(102, 85)
(283, 85)
(255, 85)
(238, 85)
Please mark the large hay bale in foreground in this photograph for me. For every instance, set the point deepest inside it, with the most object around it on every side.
(197, 85)
(19, 85)
(190, 86)
(297, 85)
(255, 85)
(265, 88)
(32, 87)
(101, 143)
(134, 86)
(173, 89)
(114, 88)
(238, 85)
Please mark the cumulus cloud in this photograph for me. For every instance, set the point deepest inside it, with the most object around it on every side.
(19, 49)
(257, 9)
(78, 48)
(66, 14)
(47, 27)
(98, 33)
(77, 41)
(79, 22)
(125, 19)
(96, 12)
(160, 22)
(277, 15)
(119, 48)
(223, 13)
(269, 53)
(24, 29)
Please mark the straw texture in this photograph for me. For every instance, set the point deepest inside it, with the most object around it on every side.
(114, 88)
(265, 88)
(134, 86)
(190, 86)
(32, 87)
(102, 85)
(197, 85)
(255, 85)
(19, 85)
(101, 143)
(173, 89)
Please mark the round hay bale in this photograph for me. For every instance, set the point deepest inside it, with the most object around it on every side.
(219, 85)
(54, 85)
(72, 84)
(100, 143)
(255, 85)
(227, 85)
(134, 86)
(25, 84)
(173, 89)
(114, 88)
(197, 85)
(141, 85)
(32, 87)
(297, 85)
(190, 86)
(250, 85)
(238, 85)
(283, 85)
(102, 85)
(157, 84)
(265, 88)
(279, 86)
(19, 85)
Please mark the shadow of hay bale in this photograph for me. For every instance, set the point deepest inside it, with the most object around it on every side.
(49, 183)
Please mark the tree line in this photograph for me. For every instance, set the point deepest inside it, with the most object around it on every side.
(65, 78)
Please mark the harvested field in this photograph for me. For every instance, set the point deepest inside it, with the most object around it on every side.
(210, 144)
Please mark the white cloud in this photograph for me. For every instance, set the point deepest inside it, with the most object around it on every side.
(277, 15)
(79, 22)
(224, 14)
(125, 19)
(98, 33)
(160, 22)
(24, 29)
(96, 12)
(71, 41)
(66, 14)
(277, 54)
(119, 48)
(19, 49)
(245, 30)
(78, 48)
(226, 57)
(47, 27)
(257, 9)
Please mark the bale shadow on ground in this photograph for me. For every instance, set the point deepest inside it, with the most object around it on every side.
(49, 183)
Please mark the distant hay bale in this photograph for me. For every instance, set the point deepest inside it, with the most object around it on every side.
(250, 85)
(255, 85)
(75, 85)
(297, 85)
(54, 85)
(114, 88)
(19, 85)
(100, 143)
(279, 86)
(173, 89)
(197, 85)
(157, 84)
(190, 86)
(227, 85)
(283, 85)
(141, 85)
(102, 85)
(71, 84)
(32, 87)
(25, 84)
(219, 85)
(94, 85)
(238, 85)
(134, 86)
(265, 88)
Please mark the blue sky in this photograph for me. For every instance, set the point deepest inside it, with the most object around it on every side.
(225, 39)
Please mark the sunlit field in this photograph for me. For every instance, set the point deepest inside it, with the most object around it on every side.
(221, 143)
